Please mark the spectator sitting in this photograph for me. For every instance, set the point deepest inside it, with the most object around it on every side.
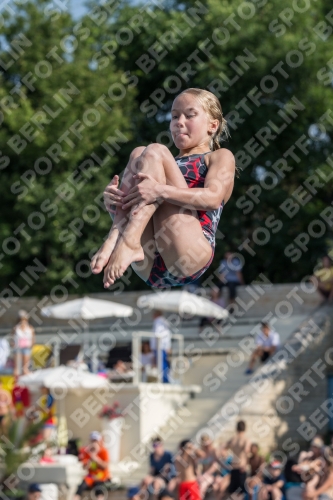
(47, 457)
(267, 341)
(315, 451)
(255, 460)
(222, 478)
(323, 279)
(230, 275)
(321, 484)
(304, 471)
(147, 359)
(120, 367)
(134, 493)
(272, 481)
(121, 371)
(209, 464)
(166, 495)
(34, 492)
(216, 298)
(161, 465)
(95, 459)
(294, 483)
(256, 464)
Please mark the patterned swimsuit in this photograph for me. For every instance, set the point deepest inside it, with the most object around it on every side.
(194, 170)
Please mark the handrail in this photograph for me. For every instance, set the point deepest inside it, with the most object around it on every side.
(101, 327)
(136, 351)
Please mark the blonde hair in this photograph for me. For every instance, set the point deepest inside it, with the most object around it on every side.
(212, 106)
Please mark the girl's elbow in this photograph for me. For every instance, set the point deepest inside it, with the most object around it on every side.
(215, 204)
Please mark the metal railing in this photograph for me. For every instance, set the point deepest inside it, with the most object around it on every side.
(136, 354)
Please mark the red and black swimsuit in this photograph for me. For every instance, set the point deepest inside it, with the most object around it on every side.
(194, 170)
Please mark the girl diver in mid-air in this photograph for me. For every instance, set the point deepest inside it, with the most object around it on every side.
(166, 211)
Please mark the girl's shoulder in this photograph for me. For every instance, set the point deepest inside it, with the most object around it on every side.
(219, 155)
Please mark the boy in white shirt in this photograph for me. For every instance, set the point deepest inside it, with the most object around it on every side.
(267, 342)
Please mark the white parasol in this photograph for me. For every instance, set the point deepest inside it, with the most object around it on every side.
(63, 378)
(182, 303)
(87, 308)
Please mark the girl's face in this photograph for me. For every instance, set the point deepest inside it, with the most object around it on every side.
(191, 126)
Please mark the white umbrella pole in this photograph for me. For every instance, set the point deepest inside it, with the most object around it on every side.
(82, 337)
(159, 360)
(136, 342)
(85, 339)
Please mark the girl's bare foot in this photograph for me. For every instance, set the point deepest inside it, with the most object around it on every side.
(102, 256)
(122, 257)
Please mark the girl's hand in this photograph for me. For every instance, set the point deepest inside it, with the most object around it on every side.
(148, 191)
(113, 195)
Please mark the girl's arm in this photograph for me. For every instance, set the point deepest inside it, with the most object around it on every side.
(218, 187)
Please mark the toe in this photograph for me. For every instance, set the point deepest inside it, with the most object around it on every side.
(96, 266)
(93, 262)
(106, 275)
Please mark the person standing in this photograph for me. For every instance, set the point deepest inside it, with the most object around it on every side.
(4, 353)
(6, 406)
(230, 275)
(48, 410)
(186, 462)
(20, 398)
(215, 297)
(323, 279)
(161, 331)
(267, 342)
(240, 447)
(24, 338)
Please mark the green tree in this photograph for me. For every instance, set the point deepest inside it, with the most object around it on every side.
(62, 130)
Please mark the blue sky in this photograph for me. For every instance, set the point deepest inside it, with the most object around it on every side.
(77, 8)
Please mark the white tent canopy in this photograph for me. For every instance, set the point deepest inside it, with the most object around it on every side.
(87, 308)
(182, 303)
(63, 377)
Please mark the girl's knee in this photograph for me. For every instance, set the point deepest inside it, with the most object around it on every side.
(137, 152)
(156, 150)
